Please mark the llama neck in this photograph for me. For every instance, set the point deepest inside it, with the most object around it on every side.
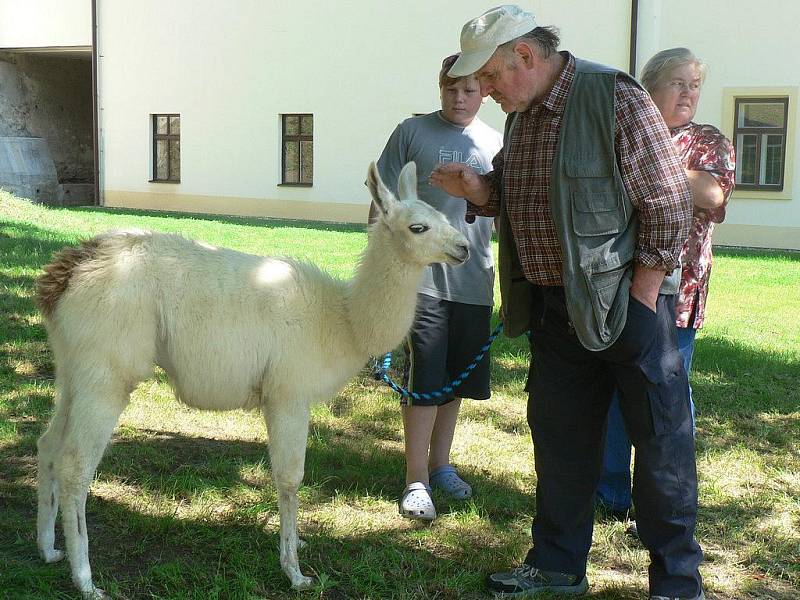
(383, 296)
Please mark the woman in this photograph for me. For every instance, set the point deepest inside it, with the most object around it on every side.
(674, 79)
(454, 304)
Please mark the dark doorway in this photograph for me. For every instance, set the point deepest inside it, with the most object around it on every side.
(46, 136)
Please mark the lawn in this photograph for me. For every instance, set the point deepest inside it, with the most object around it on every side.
(183, 505)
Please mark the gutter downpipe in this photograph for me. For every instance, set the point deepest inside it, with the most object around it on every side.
(633, 39)
(95, 109)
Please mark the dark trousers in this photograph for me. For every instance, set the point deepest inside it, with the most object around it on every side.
(569, 393)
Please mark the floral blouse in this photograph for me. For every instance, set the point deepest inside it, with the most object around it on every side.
(701, 148)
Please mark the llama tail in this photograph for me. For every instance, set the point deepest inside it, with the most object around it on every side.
(55, 279)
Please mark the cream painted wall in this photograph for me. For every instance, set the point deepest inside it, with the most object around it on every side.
(359, 66)
(752, 50)
(45, 23)
(595, 31)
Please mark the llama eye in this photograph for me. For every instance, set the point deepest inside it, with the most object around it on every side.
(418, 228)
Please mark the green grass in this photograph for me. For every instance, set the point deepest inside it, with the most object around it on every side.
(183, 505)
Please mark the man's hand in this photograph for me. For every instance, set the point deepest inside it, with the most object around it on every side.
(461, 181)
(645, 285)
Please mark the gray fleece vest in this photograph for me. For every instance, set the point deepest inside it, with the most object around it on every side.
(595, 221)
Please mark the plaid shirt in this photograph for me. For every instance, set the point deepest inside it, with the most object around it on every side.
(651, 173)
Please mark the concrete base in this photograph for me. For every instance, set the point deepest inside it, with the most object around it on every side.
(27, 170)
(757, 236)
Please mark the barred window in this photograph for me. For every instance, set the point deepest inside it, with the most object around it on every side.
(297, 164)
(166, 148)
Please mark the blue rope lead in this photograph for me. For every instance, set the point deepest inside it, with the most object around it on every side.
(381, 373)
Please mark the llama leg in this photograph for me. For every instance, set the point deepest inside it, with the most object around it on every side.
(287, 425)
(92, 417)
(48, 484)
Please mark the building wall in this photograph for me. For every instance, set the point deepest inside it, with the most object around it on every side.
(747, 52)
(45, 23)
(231, 73)
(231, 69)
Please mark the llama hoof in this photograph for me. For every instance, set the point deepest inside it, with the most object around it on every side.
(51, 556)
(302, 583)
(95, 594)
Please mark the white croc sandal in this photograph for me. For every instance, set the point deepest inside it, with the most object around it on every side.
(416, 502)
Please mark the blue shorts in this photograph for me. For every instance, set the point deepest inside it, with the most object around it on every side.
(445, 338)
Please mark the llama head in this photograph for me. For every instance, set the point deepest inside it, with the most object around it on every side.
(418, 232)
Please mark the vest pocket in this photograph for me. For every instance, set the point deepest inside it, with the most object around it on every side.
(603, 287)
(592, 165)
(597, 213)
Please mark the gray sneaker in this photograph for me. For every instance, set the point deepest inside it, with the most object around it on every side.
(526, 580)
(702, 596)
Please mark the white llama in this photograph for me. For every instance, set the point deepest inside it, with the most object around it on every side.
(231, 330)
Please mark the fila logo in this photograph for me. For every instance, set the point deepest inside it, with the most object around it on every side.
(446, 156)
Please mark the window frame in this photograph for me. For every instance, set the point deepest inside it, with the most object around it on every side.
(299, 138)
(760, 132)
(169, 138)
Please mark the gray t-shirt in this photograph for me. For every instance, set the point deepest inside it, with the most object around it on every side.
(429, 140)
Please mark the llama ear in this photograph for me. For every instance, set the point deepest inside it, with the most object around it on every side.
(407, 182)
(381, 195)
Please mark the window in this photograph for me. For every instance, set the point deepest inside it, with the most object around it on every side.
(166, 148)
(760, 140)
(297, 164)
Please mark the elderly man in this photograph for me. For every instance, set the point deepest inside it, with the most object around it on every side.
(592, 210)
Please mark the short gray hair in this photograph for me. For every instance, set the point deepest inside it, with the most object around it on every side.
(666, 60)
(545, 38)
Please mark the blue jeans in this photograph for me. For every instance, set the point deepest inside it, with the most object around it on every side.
(614, 489)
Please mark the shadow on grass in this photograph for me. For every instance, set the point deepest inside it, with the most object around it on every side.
(339, 462)
(27, 246)
(771, 550)
(136, 555)
(746, 398)
(142, 554)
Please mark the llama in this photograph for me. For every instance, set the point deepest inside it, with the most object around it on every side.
(231, 330)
